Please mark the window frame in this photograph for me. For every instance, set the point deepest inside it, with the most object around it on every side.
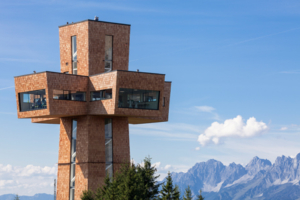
(28, 92)
(158, 99)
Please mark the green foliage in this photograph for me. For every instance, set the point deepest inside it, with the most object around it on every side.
(130, 183)
(169, 192)
(188, 194)
(87, 195)
(200, 197)
(150, 185)
(17, 197)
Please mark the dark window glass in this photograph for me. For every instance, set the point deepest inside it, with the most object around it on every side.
(77, 96)
(101, 95)
(138, 99)
(108, 52)
(58, 94)
(73, 159)
(68, 95)
(108, 147)
(33, 100)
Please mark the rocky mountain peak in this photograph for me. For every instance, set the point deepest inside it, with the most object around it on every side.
(257, 164)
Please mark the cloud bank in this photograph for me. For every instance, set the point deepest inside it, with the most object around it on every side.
(232, 128)
(27, 180)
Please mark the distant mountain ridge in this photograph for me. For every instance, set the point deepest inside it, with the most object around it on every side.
(259, 179)
(35, 197)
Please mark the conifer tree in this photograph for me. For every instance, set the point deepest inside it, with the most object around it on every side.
(17, 197)
(129, 183)
(200, 197)
(188, 194)
(169, 192)
(176, 193)
(108, 191)
(87, 195)
(151, 187)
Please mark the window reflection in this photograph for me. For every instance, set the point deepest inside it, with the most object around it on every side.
(108, 147)
(108, 52)
(74, 54)
(68, 95)
(101, 95)
(73, 159)
(33, 100)
(138, 99)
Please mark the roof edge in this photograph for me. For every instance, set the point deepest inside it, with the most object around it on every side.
(48, 72)
(91, 20)
(126, 71)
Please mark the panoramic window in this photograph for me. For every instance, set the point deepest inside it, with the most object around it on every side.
(108, 147)
(33, 100)
(74, 54)
(68, 95)
(73, 159)
(101, 95)
(138, 99)
(108, 53)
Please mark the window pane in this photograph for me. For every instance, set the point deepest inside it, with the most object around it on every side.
(58, 94)
(77, 96)
(73, 166)
(74, 48)
(108, 151)
(95, 96)
(100, 95)
(74, 64)
(108, 53)
(67, 95)
(72, 193)
(74, 129)
(108, 66)
(73, 158)
(109, 170)
(33, 100)
(108, 128)
(138, 99)
(107, 94)
(108, 47)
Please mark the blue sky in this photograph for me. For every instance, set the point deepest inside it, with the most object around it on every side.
(224, 58)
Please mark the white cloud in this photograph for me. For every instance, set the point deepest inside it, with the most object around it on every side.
(197, 148)
(27, 180)
(169, 131)
(156, 165)
(167, 167)
(284, 128)
(232, 128)
(7, 88)
(205, 108)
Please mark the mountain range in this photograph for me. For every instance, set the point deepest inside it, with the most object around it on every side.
(259, 179)
(35, 197)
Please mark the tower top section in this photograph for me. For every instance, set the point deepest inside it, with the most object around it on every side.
(91, 47)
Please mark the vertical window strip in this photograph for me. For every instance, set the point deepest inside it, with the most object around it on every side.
(73, 159)
(108, 148)
(74, 54)
(108, 53)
